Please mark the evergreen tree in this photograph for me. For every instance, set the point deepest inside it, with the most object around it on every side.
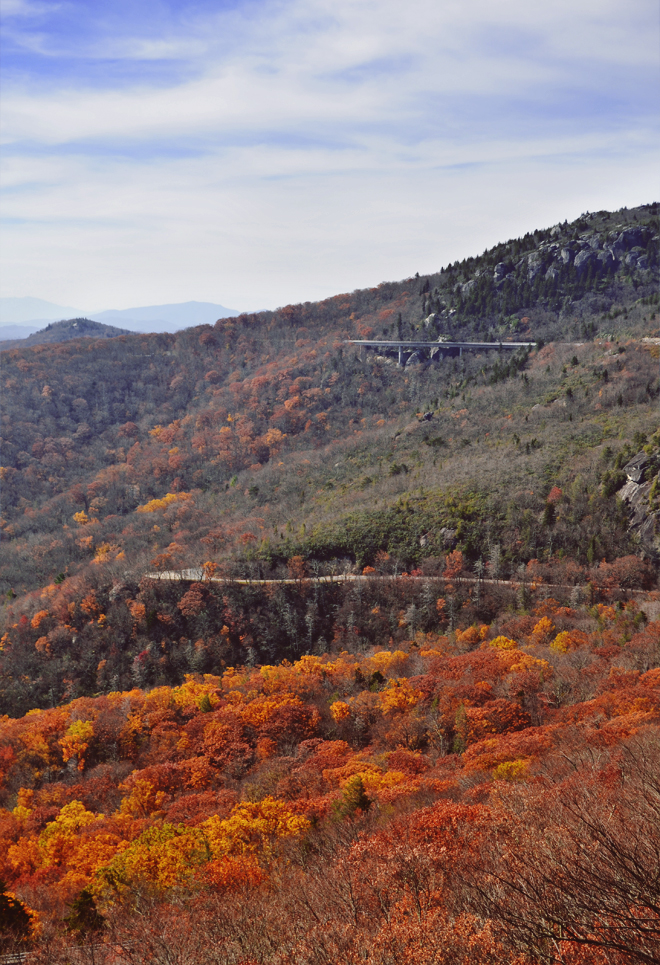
(85, 919)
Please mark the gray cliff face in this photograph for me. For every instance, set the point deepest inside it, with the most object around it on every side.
(612, 249)
(606, 252)
(639, 495)
(564, 276)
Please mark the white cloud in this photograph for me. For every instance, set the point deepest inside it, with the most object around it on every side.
(25, 8)
(324, 145)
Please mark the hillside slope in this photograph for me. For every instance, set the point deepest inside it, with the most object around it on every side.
(267, 437)
(446, 798)
(308, 656)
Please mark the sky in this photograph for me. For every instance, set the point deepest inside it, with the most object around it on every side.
(262, 152)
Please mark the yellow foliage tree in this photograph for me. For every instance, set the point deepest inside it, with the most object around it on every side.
(76, 741)
(252, 827)
(60, 838)
(340, 711)
(163, 856)
(387, 662)
(142, 800)
(154, 505)
(543, 629)
(399, 695)
(562, 642)
(511, 770)
(503, 643)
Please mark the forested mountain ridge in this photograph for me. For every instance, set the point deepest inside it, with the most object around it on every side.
(267, 437)
(578, 268)
(450, 757)
(64, 331)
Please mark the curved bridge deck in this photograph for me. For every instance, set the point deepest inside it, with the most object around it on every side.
(407, 346)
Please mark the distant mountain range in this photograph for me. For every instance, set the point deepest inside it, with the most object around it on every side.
(168, 318)
(21, 317)
(32, 311)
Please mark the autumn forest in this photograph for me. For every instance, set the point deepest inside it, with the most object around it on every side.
(310, 654)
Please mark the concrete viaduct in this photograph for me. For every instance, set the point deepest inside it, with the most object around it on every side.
(405, 348)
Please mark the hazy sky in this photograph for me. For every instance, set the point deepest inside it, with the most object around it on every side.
(272, 151)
